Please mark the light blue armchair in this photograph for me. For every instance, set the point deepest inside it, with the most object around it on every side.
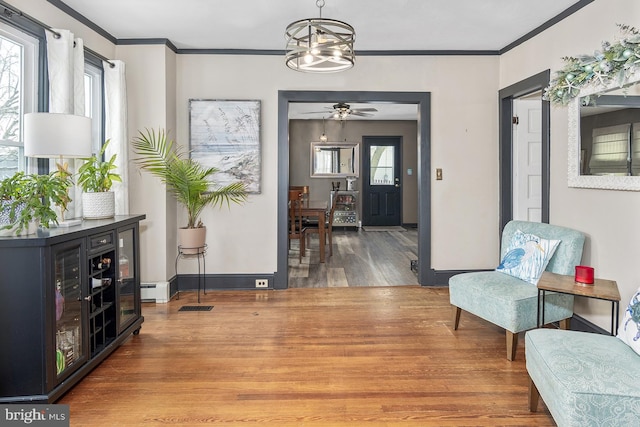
(512, 303)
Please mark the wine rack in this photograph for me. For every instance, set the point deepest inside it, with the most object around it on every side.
(102, 298)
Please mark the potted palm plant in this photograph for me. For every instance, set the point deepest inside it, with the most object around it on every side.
(187, 180)
(95, 177)
(26, 200)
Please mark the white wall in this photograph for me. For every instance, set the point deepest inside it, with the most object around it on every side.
(55, 18)
(150, 74)
(609, 218)
(464, 145)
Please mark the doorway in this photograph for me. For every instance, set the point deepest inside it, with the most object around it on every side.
(426, 275)
(507, 96)
(381, 181)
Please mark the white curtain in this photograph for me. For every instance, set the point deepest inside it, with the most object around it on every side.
(65, 56)
(65, 61)
(115, 91)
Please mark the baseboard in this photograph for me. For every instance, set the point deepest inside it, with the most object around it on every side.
(441, 277)
(189, 282)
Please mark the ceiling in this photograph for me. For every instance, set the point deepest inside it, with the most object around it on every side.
(381, 25)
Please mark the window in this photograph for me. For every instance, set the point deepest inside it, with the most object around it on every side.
(93, 95)
(18, 94)
(382, 163)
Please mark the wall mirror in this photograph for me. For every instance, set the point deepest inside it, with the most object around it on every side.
(336, 160)
(604, 137)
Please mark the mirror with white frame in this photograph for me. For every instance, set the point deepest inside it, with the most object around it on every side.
(335, 160)
(604, 137)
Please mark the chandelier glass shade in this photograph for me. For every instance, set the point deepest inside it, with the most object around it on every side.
(319, 45)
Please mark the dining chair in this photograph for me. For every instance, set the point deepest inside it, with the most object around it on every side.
(297, 230)
(304, 189)
(312, 227)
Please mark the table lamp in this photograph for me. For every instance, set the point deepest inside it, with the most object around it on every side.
(48, 135)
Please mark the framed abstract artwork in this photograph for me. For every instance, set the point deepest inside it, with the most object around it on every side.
(225, 134)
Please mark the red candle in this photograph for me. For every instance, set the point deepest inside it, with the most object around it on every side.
(584, 274)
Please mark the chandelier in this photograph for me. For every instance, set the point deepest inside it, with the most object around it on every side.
(318, 45)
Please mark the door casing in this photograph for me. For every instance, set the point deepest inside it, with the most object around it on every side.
(506, 96)
(426, 275)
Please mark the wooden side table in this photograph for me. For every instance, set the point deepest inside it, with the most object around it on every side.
(601, 289)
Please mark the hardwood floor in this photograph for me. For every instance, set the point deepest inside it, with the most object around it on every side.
(354, 356)
(360, 258)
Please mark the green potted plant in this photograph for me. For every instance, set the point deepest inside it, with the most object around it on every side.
(187, 180)
(26, 200)
(95, 177)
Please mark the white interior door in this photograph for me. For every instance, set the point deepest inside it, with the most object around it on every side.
(527, 160)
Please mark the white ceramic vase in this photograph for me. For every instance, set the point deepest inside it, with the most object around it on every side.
(4, 220)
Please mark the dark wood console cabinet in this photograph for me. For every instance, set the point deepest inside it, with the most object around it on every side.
(68, 298)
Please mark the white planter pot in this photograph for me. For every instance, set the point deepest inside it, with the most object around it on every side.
(33, 227)
(192, 240)
(4, 220)
(98, 205)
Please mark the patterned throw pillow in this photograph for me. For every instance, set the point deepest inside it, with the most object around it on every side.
(527, 256)
(629, 329)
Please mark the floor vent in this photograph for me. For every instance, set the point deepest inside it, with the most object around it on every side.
(196, 308)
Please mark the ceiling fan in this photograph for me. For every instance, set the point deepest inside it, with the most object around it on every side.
(342, 110)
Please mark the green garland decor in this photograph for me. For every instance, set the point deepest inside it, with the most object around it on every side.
(616, 62)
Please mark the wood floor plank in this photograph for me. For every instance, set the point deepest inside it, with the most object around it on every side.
(336, 278)
(368, 259)
(354, 356)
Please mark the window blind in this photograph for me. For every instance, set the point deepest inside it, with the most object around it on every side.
(610, 150)
(635, 149)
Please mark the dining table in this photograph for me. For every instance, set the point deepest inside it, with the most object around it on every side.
(317, 209)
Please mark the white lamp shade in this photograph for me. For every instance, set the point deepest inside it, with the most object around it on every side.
(56, 135)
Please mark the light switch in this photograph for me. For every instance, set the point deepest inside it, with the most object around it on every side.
(439, 174)
(409, 171)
